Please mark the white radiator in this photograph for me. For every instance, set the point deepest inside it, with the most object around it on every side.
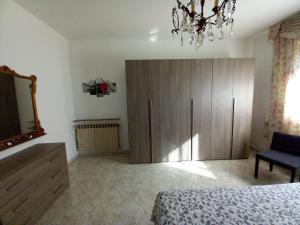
(97, 135)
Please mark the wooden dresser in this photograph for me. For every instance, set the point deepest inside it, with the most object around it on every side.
(30, 181)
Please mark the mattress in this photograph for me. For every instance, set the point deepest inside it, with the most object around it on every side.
(265, 205)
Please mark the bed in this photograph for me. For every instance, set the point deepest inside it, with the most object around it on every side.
(265, 205)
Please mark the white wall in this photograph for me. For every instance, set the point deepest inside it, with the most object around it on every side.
(29, 46)
(106, 58)
(263, 53)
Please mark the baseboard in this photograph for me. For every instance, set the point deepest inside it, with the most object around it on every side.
(112, 152)
(255, 148)
(71, 160)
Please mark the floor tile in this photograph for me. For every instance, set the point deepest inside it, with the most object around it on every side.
(107, 190)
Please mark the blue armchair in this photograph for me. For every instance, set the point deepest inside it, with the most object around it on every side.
(284, 152)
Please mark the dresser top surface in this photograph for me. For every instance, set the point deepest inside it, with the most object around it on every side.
(23, 158)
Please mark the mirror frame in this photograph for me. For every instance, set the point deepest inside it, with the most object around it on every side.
(39, 131)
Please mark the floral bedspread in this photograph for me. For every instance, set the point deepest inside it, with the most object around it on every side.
(254, 205)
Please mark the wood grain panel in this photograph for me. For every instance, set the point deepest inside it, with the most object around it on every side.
(138, 111)
(12, 185)
(201, 87)
(11, 164)
(180, 102)
(222, 109)
(40, 167)
(31, 217)
(159, 94)
(27, 198)
(243, 95)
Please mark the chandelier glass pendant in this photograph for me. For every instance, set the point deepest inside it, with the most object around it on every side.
(196, 25)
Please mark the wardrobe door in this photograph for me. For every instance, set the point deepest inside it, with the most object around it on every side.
(243, 96)
(180, 106)
(222, 109)
(201, 86)
(138, 111)
(159, 95)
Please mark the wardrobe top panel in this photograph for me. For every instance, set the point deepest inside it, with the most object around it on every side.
(186, 59)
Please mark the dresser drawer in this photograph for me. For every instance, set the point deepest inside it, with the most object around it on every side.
(43, 203)
(12, 185)
(23, 202)
(56, 156)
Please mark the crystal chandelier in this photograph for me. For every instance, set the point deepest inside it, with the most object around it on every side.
(195, 24)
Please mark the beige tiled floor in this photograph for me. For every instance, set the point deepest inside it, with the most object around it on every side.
(106, 190)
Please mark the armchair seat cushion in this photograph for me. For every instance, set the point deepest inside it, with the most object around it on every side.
(280, 158)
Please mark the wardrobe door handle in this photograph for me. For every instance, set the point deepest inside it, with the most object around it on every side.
(192, 126)
(233, 109)
(192, 113)
(150, 127)
(232, 125)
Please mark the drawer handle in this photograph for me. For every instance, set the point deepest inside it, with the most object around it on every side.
(14, 184)
(57, 189)
(18, 206)
(27, 221)
(55, 157)
(54, 175)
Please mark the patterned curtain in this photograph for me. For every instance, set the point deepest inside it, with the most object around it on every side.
(285, 103)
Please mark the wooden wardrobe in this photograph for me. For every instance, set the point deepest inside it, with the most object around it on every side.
(197, 109)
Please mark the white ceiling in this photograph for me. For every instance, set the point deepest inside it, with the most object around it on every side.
(77, 19)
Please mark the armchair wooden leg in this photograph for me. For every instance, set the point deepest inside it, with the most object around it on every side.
(271, 166)
(293, 173)
(256, 167)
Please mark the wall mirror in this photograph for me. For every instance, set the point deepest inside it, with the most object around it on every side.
(19, 120)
